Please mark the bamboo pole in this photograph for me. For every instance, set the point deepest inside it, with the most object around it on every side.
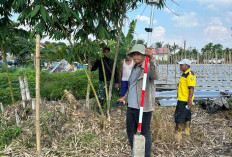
(175, 59)
(216, 66)
(163, 65)
(88, 86)
(224, 63)
(38, 94)
(85, 71)
(167, 64)
(106, 85)
(8, 75)
(230, 67)
(115, 60)
(185, 49)
(205, 65)
(197, 63)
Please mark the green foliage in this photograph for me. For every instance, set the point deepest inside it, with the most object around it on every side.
(52, 85)
(8, 134)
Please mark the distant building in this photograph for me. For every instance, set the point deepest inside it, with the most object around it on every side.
(161, 53)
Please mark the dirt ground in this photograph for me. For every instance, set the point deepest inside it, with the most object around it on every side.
(65, 132)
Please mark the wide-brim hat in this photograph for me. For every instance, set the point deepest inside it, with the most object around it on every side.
(138, 48)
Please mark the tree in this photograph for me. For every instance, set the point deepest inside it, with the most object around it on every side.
(9, 34)
(76, 19)
(159, 44)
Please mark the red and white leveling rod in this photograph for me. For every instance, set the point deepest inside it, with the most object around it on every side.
(143, 93)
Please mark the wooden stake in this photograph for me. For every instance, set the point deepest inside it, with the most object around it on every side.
(37, 88)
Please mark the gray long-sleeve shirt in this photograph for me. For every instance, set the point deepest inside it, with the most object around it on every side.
(132, 95)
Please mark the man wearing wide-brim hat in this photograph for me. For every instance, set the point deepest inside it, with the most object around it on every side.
(133, 95)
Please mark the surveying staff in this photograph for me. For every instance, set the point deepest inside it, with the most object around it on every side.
(133, 95)
(108, 65)
(185, 98)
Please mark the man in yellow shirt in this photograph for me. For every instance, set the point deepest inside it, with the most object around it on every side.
(185, 98)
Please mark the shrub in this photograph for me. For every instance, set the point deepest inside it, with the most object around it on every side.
(52, 86)
(7, 134)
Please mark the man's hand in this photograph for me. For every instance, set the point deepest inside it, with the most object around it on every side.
(122, 100)
(190, 104)
(149, 53)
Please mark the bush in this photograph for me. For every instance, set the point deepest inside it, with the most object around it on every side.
(52, 86)
(7, 134)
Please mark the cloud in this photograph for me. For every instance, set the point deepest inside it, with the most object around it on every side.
(186, 20)
(216, 4)
(158, 33)
(228, 16)
(215, 21)
(145, 19)
(216, 33)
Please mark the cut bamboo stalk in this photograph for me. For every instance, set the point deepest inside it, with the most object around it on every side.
(22, 89)
(88, 86)
(2, 107)
(28, 96)
(17, 118)
(62, 109)
(33, 104)
(38, 94)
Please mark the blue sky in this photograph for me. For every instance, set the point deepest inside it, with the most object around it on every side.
(200, 22)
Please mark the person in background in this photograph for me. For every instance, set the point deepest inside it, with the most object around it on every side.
(108, 65)
(126, 66)
(185, 96)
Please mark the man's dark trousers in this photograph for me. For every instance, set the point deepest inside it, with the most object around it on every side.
(132, 119)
